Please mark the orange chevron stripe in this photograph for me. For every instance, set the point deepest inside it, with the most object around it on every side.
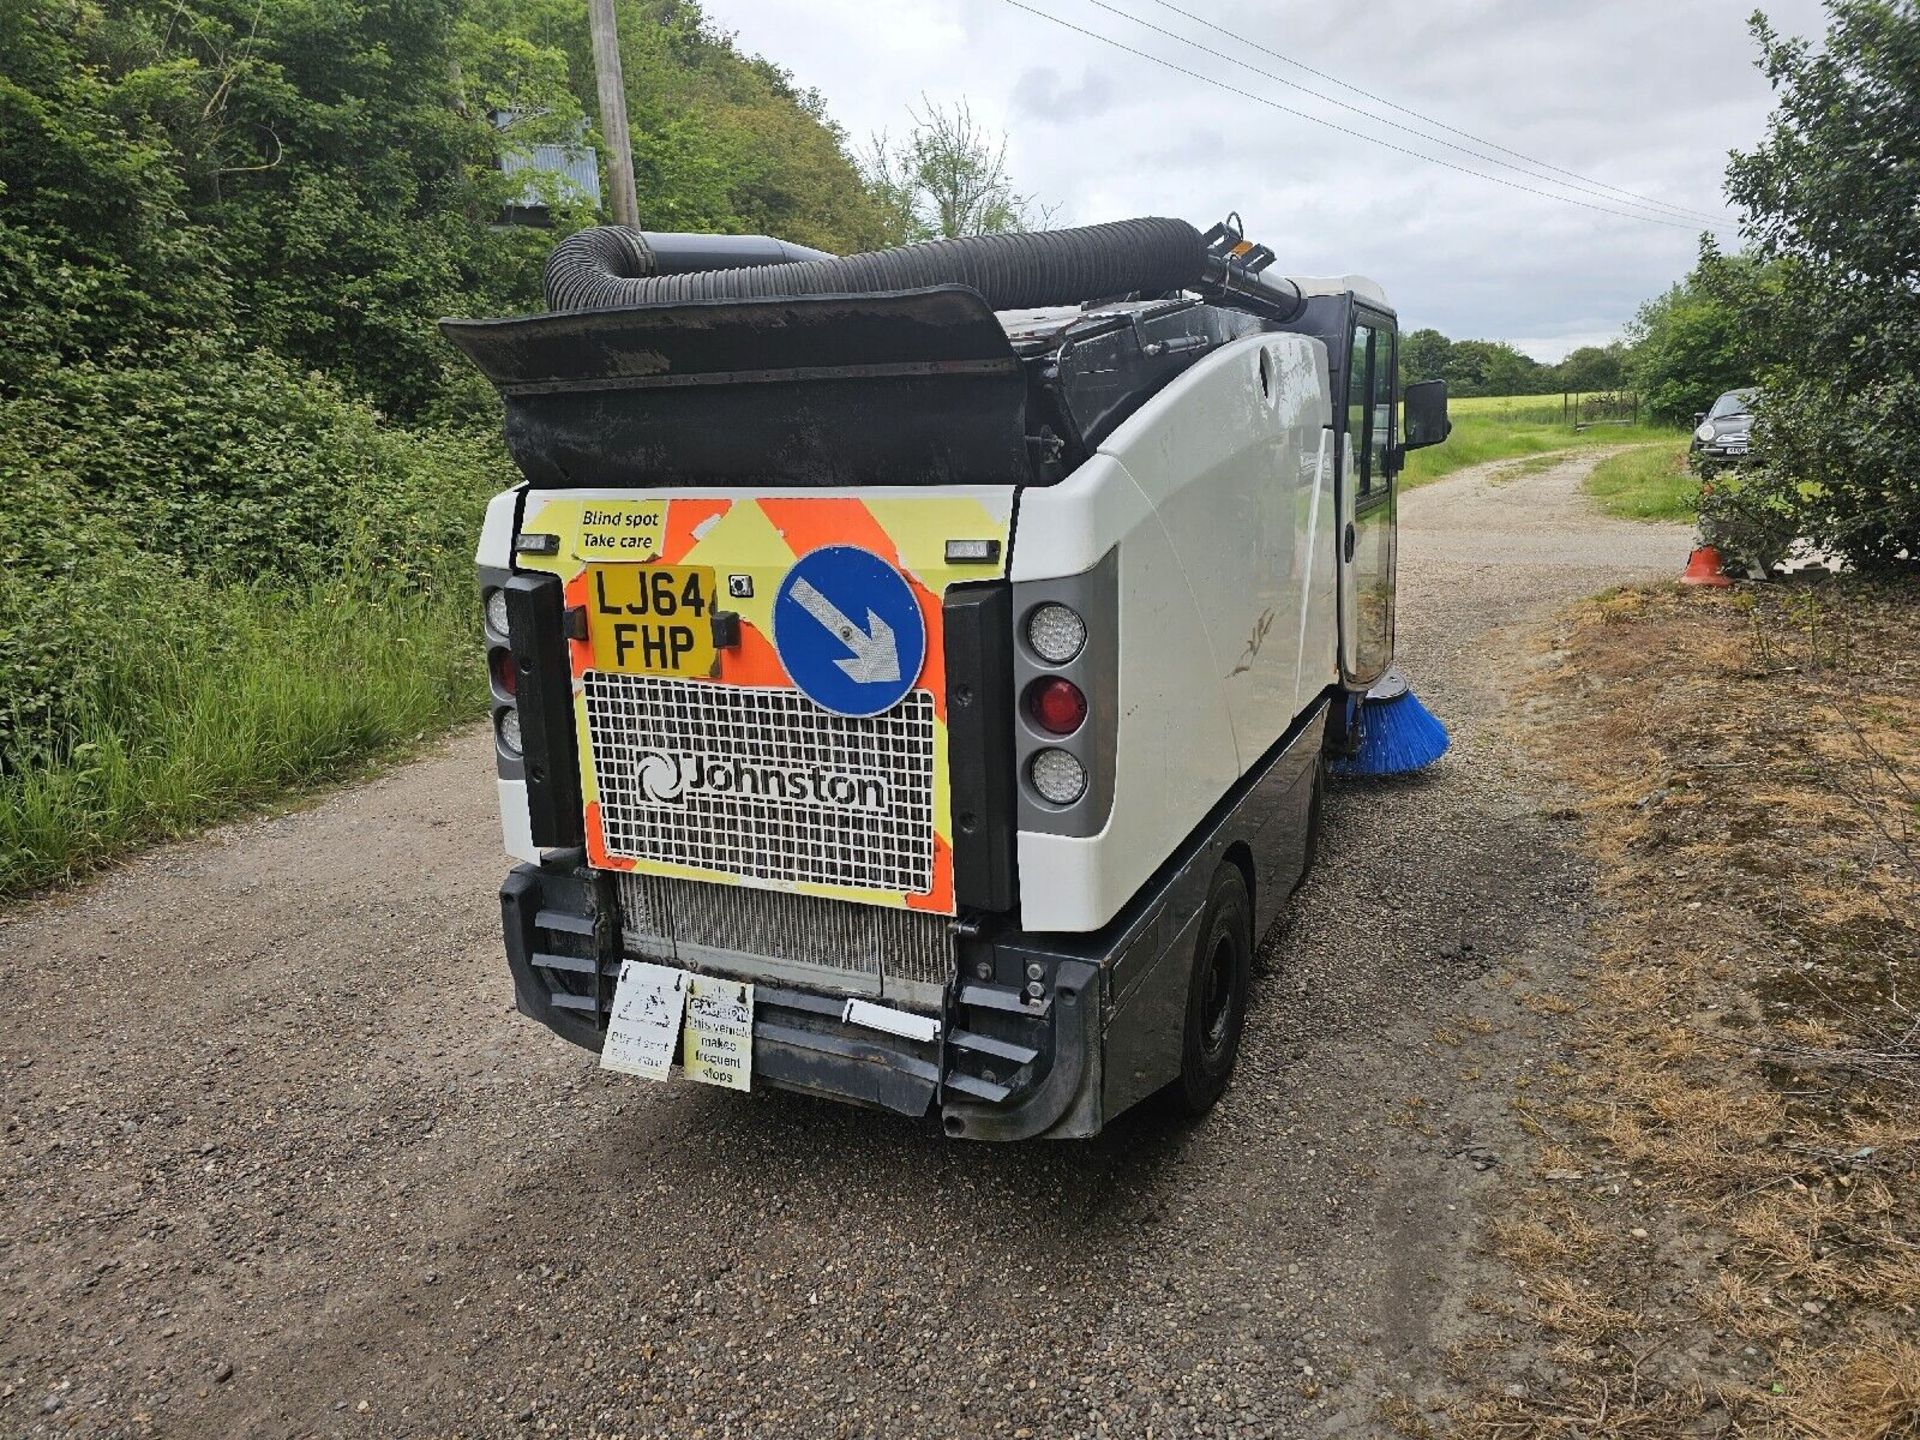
(933, 671)
(579, 652)
(808, 524)
(683, 518)
(754, 663)
(597, 843)
(940, 898)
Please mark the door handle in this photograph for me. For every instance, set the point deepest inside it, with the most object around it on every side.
(1347, 542)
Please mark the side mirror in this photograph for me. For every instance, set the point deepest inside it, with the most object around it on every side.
(1426, 414)
(1699, 417)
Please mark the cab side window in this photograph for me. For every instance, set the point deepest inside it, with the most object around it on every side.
(1368, 541)
(1380, 422)
(1370, 407)
(1360, 407)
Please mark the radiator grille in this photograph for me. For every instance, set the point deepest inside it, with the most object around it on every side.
(660, 913)
(763, 783)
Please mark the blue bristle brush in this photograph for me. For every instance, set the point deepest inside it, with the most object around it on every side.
(1398, 734)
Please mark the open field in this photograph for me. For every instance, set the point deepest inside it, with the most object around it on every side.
(1500, 427)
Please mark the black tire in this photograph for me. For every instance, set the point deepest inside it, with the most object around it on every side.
(1216, 994)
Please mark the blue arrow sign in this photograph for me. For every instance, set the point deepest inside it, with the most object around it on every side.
(849, 631)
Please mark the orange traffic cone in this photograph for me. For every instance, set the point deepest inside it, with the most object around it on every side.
(1703, 568)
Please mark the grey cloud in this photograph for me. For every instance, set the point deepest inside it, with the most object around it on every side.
(1646, 95)
(1041, 95)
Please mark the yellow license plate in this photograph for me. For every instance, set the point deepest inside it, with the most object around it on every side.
(651, 619)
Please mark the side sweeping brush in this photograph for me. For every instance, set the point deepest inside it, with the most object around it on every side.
(1398, 734)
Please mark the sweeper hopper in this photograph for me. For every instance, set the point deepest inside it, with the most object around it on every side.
(915, 673)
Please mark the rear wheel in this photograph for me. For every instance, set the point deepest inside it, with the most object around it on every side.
(1216, 993)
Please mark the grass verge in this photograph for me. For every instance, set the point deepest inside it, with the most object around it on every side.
(1721, 1231)
(1508, 427)
(296, 688)
(1648, 482)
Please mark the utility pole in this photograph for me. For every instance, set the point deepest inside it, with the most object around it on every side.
(613, 113)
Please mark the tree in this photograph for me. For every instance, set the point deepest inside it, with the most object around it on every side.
(324, 180)
(1511, 371)
(1592, 368)
(949, 178)
(1691, 344)
(1491, 367)
(1423, 355)
(722, 141)
(1830, 196)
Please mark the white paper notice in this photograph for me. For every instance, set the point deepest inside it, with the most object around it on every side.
(645, 1024)
(719, 1048)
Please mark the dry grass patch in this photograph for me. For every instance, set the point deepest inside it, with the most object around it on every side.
(1721, 1234)
(1852, 1393)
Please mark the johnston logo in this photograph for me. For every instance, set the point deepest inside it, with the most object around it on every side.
(678, 780)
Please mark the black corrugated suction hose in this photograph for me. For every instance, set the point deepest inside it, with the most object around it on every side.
(611, 268)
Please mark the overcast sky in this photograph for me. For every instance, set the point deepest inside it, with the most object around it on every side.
(1643, 95)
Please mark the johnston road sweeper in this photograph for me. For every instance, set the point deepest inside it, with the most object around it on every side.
(915, 673)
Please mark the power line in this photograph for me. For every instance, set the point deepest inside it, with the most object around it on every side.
(1669, 215)
(1342, 129)
(1585, 180)
(1578, 182)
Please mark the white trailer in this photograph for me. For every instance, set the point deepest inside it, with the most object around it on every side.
(914, 673)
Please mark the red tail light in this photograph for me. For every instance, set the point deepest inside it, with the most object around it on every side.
(1056, 705)
(504, 680)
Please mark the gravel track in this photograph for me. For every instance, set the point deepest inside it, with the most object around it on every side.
(280, 1160)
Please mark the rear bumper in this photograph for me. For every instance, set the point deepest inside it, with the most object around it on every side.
(1003, 1067)
(1714, 458)
(1040, 1035)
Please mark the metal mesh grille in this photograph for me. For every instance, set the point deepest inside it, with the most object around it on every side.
(659, 913)
(763, 783)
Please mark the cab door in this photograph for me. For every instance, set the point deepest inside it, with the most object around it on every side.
(1370, 456)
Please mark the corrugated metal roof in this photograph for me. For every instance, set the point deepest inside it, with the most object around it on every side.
(578, 165)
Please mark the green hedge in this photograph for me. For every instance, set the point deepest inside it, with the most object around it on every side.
(226, 578)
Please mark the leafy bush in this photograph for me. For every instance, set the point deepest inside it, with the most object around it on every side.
(1750, 515)
(1830, 197)
(1845, 460)
(324, 181)
(240, 588)
(239, 466)
(138, 502)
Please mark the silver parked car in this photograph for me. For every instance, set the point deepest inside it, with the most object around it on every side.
(1724, 434)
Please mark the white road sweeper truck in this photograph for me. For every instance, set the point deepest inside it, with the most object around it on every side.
(914, 673)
